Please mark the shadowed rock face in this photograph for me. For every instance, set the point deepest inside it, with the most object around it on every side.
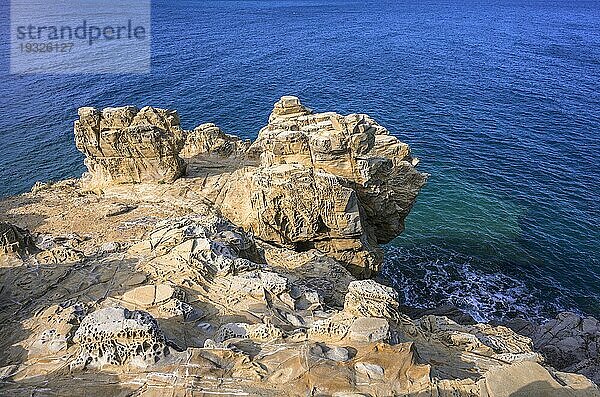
(129, 145)
(339, 184)
(14, 240)
(569, 342)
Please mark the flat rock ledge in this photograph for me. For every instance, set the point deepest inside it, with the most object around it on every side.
(151, 286)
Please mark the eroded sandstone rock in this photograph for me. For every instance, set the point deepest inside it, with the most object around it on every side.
(353, 148)
(499, 342)
(367, 298)
(129, 145)
(117, 336)
(338, 184)
(273, 321)
(209, 139)
(196, 248)
(60, 254)
(14, 240)
(265, 329)
(59, 323)
(570, 342)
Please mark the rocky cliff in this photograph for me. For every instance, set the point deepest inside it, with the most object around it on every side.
(239, 277)
(339, 184)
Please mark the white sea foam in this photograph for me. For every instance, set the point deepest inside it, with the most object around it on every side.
(433, 277)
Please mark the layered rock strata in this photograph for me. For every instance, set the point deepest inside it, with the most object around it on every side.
(129, 145)
(341, 184)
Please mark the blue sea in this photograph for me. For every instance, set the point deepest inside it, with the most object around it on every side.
(499, 99)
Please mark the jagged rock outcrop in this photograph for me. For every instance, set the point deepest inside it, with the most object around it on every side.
(355, 149)
(117, 336)
(129, 145)
(339, 184)
(14, 240)
(209, 139)
(570, 342)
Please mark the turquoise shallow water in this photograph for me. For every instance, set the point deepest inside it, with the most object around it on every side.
(499, 99)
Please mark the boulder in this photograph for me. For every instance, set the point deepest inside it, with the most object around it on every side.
(209, 139)
(367, 298)
(117, 336)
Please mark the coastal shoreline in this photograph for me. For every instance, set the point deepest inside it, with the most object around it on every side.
(251, 278)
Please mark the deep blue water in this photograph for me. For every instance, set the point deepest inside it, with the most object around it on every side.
(499, 99)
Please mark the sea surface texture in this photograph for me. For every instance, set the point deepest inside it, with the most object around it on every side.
(499, 99)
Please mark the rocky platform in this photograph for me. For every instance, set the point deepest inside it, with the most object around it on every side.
(241, 277)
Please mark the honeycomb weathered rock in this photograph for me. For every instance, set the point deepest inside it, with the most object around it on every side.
(117, 336)
(367, 298)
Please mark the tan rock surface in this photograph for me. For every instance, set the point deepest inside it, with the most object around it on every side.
(237, 316)
(209, 139)
(338, 184)
(232, 280)
(129, 145)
